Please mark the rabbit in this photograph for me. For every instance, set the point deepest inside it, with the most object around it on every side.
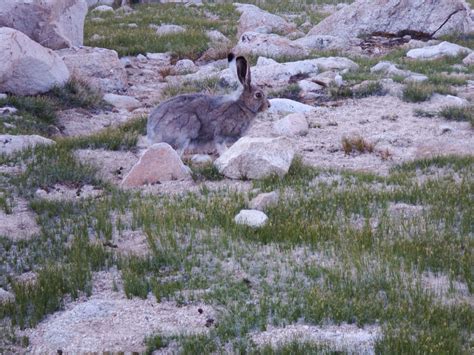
(200, 120)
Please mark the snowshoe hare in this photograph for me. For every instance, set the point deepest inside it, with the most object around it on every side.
(199, 120)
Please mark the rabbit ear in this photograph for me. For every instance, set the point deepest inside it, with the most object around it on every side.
(243, 71)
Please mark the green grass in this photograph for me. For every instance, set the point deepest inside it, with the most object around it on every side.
(207, 86)
(456, 113)
(38, 114)
(419, 92)
(132, 41)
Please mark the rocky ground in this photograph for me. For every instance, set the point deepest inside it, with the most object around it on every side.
(342, 221)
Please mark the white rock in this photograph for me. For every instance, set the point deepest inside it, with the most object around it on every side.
(288, 106)
(264, 201)
(217, 37)
(335, 63)
(438, 51)
(164, 30)
(103, 8)
(448, 100)
(26, 67)
(201, 159)
(256, 158)
(161, 58)
(391, 70)
(469, 60)
(121, 101)
(251, 218)
(54, 24)
(100, 67)
(185, 66)
(10, 144)
(269, 45)
(294, 124)
(7, 110)
(253, 17)
(3, 96)
(393, 16)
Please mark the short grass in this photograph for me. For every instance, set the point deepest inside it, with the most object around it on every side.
(456, 113)
(422, 91)
(143, 39)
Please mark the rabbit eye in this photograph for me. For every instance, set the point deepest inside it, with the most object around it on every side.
(258, 95)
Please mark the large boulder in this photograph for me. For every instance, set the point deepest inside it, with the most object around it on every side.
(52, 23)
(269, 45)
(256, 158)
(159, 163)
(254, 18)
(26, 67)
(99, 67)
(364, 17)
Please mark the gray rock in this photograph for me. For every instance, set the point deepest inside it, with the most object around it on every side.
(264, 201)
(391, 70)
(444, 49)
(162, 58)
(7, 110)
(123, 102)
(321, 42)
(54, 24)
(201, 159)
(256, 158)
(3, 96)
(185, 66)
(6, 297)
(253, 17)
(251, 218)
(26, 67)
(10, 144)
(100, 67)
(159, 163)
(294, 124)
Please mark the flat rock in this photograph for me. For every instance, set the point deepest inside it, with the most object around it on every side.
(392, 16)
(54, 24)
(256, 158)
(390, 69)
(321, 42)
(264, 201)
(294, 124)
(288, 106)
(10, 144)
(444, 49)
(251, 218)
(100, 67)
(158, 163)
(121, 101)
(161, 58)
(65, 193)
(447, 100)
(185, 66)
(26, 67)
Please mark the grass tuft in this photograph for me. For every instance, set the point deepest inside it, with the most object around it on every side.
(356, 144)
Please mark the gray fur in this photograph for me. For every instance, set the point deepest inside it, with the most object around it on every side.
(198, 120)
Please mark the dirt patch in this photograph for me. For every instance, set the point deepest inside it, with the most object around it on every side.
(386, 122)
(20, 223)
(344, 337)
(61, 192)
(108, 321)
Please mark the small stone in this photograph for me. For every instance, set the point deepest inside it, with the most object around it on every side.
(264, 200)
(294, 124)
(10, 144)
(6, 297)
(159, 163)
(201, 159)
(185, 66)
(251, 218)
(289, 106)
(3, 96)
(121, 101)
(162, 58)
(141, 58)
(469, 60)
(169, 29)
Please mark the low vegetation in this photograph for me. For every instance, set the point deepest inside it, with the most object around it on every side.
(458, 113)
(421, 91)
